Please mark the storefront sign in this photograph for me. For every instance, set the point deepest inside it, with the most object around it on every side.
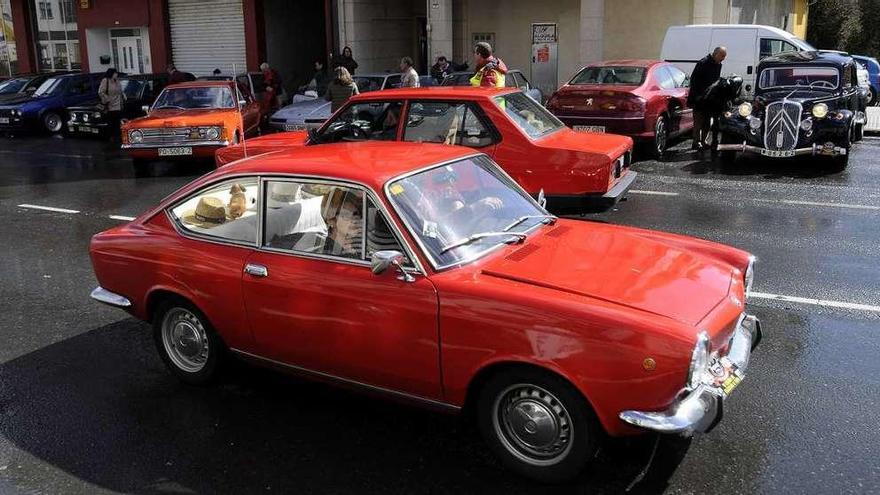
(544, 32)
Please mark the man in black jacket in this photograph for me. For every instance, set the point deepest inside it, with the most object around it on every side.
(706, 72)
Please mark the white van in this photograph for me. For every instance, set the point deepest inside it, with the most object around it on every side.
(746, 44)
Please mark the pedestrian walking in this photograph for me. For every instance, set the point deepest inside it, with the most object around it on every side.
(340, 89)
(272, 79)
(705, 74)
(410, 77)
(345, 60)
(490, 69)
(112, 97)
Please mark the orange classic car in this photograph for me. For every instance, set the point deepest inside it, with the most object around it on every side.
(191, 119)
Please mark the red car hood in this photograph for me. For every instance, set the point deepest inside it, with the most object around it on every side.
(625, 266)
(610, 145)
(260, 145)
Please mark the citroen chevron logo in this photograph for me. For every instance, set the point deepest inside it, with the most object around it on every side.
(783, 124)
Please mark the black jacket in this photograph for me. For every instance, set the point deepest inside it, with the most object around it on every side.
(705, 73)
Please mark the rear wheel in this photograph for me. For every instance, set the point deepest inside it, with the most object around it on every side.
(538, 424)
(52, 122)
(661, 136)
(187, 343)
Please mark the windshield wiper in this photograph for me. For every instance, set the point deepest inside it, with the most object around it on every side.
(170, 106)
(551, 219)
(482, 235)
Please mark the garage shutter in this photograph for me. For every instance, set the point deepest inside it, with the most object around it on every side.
(207, 35)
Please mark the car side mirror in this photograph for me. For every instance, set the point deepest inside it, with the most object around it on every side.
(242, 102)
(381, 261)
(145, 109)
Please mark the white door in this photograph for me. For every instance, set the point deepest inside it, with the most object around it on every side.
(129, 55)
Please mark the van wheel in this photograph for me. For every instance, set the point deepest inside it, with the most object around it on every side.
(538, 424)
(52, 122)
(661, 137)
(187, 343)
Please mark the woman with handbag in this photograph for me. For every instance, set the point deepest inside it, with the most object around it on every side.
(112, 97)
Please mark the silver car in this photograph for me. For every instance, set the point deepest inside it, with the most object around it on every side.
(310, 110)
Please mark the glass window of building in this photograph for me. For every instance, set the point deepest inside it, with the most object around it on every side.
(8, 54)
(57, 38)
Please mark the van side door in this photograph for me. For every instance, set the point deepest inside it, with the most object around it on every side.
(742, 53)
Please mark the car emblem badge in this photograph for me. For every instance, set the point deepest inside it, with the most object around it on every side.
(589, 102)
(779, 138)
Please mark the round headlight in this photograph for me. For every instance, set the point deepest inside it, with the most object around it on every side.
(745, 109)
(96, 115)
(135, 136)
(85, 117)
(820, 110)
(213, 133)
(754, 122)
(699, 361)
(807, 124)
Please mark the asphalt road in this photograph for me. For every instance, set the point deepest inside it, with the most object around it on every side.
(87, 407)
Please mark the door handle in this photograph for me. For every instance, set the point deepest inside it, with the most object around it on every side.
(256, 270)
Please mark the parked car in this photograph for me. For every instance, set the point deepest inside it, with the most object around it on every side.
(191, 119)
(23, 85)
(140, 93)
(425, 273)
(643, 99)
(45, 109)
(747, 44)
(576, 171)
(871, 65)
(806, 103)
(253, 82)
(310, 110)
(513, 79)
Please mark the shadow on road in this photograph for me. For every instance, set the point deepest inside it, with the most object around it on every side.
(101, 407)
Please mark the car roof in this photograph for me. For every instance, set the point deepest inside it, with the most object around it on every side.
(451, 92)
(201, 84)
(630, 62)
(799, 57)
(372, 163)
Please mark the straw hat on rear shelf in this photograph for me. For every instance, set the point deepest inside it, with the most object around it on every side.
(210, 212)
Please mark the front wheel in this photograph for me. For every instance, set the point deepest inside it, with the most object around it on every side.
(538, 425)
(187, 342)
(53, 122)
(661, 136)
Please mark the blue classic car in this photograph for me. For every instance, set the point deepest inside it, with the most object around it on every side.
(873, 67)
(45, 108)
(311, 110)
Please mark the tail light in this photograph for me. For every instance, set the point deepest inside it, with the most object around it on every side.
(632, 104)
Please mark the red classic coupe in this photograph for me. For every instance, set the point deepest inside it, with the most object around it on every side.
(576, 171)
(643, 99)
(423, 272)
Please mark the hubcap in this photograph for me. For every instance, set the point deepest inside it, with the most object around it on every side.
(660, 136)
(53, 122)
(532, 424)
(185, 340)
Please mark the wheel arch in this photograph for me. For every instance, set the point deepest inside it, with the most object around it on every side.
(155, 297)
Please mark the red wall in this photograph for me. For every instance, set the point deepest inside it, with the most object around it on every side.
(24, 46)
(128, 13)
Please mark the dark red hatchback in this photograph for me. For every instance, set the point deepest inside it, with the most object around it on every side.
(643, 99)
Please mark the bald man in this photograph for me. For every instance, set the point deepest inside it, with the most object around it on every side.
(706, 72)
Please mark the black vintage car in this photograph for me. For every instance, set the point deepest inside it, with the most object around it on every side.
(140, 91)
(805, 103)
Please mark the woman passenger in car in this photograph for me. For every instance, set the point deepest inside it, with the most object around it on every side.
(345, 229)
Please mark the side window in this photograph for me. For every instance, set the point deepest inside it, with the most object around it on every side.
(375, 121)
(664, 77)
(678, 77)
(380, 237)
(510, 80)
(392, 82)
(848, 77)
(259, 81)
(227, 211)
(312, 218)
(77, 86)
(447, 123)
(244, 84)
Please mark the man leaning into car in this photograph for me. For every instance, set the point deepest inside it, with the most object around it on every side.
(706, 72)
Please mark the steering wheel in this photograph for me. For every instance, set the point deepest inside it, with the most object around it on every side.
(355, 132)
(823, 84)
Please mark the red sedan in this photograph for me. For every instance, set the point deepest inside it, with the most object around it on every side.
(643, 99)
(576, 171)
(425, 273)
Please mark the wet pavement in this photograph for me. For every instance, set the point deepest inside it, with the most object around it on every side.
(87, 407)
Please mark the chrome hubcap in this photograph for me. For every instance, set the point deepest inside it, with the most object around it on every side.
(53, 123)
(185, 340)
(660, 136)
(532, 424)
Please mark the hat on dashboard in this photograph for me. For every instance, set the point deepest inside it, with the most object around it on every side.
(209, 212)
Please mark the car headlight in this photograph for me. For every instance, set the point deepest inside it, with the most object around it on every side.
(745, 109)
(16, 111)
(807, 124)
(85, 117)
(750, 275)
(699, 361)
(213, 133)
(96, 115)
(135, 136)
(754, 122)
(820, 110)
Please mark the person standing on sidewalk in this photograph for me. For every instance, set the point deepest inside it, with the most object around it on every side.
(345, 60)
(112, 98)
(410, 77)
(490, 70)
(705, 74)
(340, 89)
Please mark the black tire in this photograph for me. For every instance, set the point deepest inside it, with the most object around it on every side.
(196, 361)
(872, 97)
(661, 137)
(52, 121)
(841, 162)
(141, 167)
(546, 396)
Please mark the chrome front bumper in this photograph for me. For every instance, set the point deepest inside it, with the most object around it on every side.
(815, 150)
(103, 295)
(184, 144)
(700, 409)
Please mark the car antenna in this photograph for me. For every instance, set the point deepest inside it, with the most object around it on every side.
(238, 96)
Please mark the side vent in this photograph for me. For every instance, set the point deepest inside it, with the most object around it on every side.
(523, 252)
(558, 231)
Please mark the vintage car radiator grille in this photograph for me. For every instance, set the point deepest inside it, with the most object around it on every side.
(782, 125)
(169, 135)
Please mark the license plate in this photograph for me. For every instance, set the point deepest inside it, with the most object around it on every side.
(589, 128)
(179, 151)
(4, 120)
(777, 153)
(294, 127)
(90, 130)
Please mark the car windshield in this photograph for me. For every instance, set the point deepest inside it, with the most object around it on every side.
(461, 210)
(814, 77)
(457, 80)
(367, 84)
(628, 76)
(13, 85)
(131, 87)
(528, 114)
(196, 97)
(50, 86)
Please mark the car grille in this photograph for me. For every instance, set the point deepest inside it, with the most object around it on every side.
(168, 135)
(782, 125)
(6, 113)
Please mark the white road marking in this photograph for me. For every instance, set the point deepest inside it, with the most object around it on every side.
(816, 302)
(653, 193)
(47, 208)
(833, 205)
(121, 217)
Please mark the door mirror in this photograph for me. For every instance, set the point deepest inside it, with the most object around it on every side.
(242, 103)
(381, 261)
(145, 109)
(542, 200)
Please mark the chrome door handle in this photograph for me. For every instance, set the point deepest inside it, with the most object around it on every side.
(256, 270)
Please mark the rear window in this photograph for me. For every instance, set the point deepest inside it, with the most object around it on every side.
(528, 114)
(627, 76)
